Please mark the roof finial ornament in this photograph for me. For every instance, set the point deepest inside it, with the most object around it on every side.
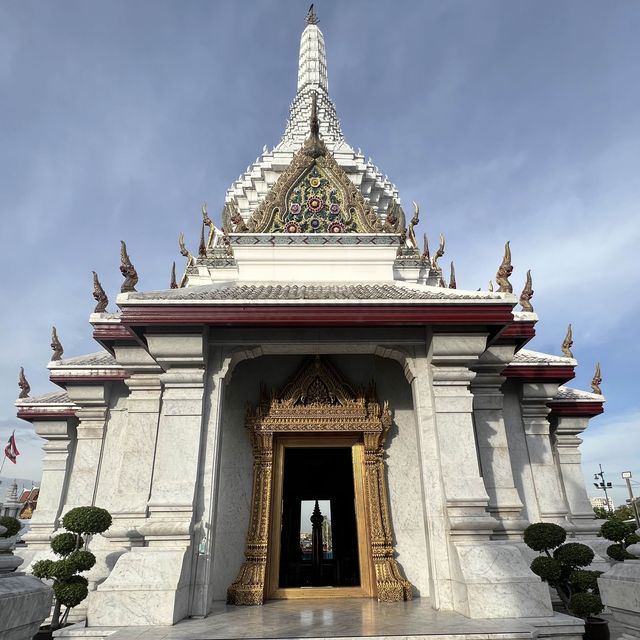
(56, 346)
(173, 283)
(566, 344)
(425, 251)
(314, 146)
(202, 248)
(597, 380)
(24, 385)
(311, 18)
(452, 279)
(504, 271)
(413, 243)
(208, 222)
(127, 270)
(527, 294)
(439, 253)
(99, 295)
(491, 285)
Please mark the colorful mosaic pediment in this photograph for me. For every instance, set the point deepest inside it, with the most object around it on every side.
(315, 195)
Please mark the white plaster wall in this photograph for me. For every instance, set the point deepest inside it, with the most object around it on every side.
(519, 453)
(236, 460)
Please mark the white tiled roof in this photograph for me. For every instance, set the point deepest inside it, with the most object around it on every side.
(526, 356)
(567, 393)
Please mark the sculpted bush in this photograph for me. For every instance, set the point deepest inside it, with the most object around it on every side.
(622, 534)
(560, 567)
(69, 588)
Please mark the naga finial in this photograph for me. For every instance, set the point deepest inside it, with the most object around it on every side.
(567, 343)
(413, 243)
(173, 283)
(23, 384)
(597, 380)
(99, 295)
(491, 285)
(452, 278)
(425, 251)
(311, 18)
(127, 270)
(202, 248)
(226, 241)
(208, 222)
(527, 294)
(439, 254)
(56, 346)
(504, 271)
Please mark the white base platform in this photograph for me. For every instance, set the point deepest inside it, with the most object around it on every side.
(344, 619)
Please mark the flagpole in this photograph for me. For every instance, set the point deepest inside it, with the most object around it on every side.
(2, 465)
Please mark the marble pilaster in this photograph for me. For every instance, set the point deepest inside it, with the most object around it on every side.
(569, 459)
(130, 486)
(466, 496)
(151, 584)
(548, 487)
(495, 460)
(58, 449)
(92, 401)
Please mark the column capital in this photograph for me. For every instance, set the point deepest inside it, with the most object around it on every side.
(178, 350)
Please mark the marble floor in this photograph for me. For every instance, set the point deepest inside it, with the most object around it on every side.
(324, 619)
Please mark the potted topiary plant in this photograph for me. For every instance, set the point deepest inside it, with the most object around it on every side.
(622, 534)
(9, 528)
(562, 567)
(69, 588)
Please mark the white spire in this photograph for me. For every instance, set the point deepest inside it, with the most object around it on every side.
(312, 61)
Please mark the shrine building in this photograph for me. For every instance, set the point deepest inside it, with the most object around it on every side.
(314, 413)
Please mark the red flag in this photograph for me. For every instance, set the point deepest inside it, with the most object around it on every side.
(11, 451)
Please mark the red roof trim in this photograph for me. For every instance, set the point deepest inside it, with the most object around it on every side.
(361, 315)
(577, 409)
(533, 373)
(44, 414)
(111, 332)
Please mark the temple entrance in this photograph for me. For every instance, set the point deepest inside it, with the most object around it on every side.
(319, 545)
(328, 440)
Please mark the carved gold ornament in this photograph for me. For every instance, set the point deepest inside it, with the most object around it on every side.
(318, 400)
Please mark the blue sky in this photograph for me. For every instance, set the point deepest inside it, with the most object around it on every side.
(504, 120)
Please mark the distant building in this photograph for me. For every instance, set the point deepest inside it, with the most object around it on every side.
(601, 502)
(28, 501)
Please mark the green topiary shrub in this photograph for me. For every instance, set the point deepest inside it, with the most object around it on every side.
(618, 552)
(544, 535)
(87, 520)
(69, 588)
(585, 604)
(582, 580)
(574, 554)
(64, 543)
(577, 588)
(623, 534)
(549, 569)
(12, 526)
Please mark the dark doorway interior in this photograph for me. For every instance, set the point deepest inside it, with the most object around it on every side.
(327, 557)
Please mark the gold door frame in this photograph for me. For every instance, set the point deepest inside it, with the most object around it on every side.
(318, 401)
(366, 588)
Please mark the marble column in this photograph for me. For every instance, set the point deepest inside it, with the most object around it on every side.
(495, 460)
(535, 397)
(489, 578)
(92, 401)
(130, 485)
(569, 459)
(150, 585)
(466, 496)
(434, 500)
(58, 449)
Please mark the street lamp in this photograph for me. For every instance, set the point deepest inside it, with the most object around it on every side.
(634, 507)
(604, 486)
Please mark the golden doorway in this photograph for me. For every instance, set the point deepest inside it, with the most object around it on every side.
(317, 409)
